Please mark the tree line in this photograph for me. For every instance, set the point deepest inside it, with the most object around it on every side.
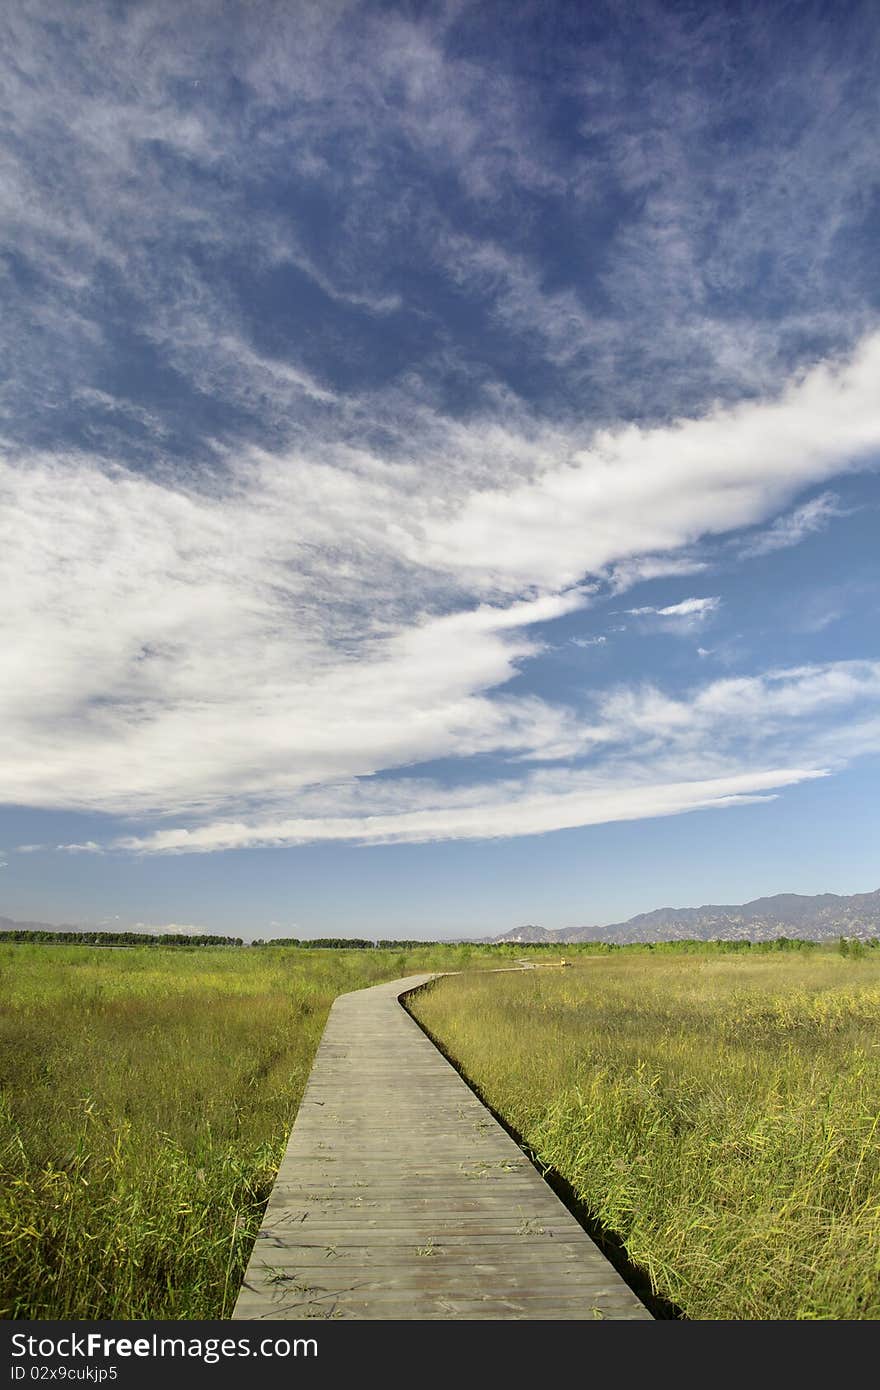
(138, 938)
(118, 938)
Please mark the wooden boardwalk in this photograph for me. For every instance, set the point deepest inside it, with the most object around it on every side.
(400, 1196)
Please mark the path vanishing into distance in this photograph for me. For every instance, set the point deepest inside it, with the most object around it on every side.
(401, 1196)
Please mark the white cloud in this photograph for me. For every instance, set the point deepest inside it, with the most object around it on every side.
(642, 753)
(186, 648)
(683, 616)
(195, 649)
(690, 608)
(647, 491)
(629, 572)
(237, 646)
(124, 163)
(791, 529)
(744, 710)
(116, 405)
(519, 811)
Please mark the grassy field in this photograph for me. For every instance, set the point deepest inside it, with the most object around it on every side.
(145, 1099)
(719, 1113)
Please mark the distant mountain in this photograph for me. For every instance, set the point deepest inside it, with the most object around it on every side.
(818, 918)
(7, 924)
(529, 936)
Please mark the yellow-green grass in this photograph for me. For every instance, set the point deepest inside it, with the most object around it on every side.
(146, 1096)
(719, 1114)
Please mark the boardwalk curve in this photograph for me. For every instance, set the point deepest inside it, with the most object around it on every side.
(400, 1195)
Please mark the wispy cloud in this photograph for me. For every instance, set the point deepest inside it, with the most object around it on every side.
(640, 753)
(795, 526)
(290, 620)
(285, 508)
(643, 492)
(644, 567)
(684, 617)
(174, 170)
(698, 608)
(508, 810)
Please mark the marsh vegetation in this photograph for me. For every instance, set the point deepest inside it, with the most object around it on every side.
(146, 1099)
(716, 1110)
(718, 1113)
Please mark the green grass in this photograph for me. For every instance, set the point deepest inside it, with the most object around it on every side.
(718, 1113)
(146, 1096)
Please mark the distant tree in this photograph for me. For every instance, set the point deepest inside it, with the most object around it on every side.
(387, 945)
(343, 943)
(118, 938)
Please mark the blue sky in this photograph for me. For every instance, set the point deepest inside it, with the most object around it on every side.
(438, 461)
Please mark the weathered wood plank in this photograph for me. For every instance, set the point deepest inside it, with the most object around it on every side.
(400, 1196)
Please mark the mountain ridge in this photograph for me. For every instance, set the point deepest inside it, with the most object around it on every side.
(816, 917)
(10, 924)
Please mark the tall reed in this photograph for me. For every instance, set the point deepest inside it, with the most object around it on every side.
(719, 1114)
(146, 1096)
